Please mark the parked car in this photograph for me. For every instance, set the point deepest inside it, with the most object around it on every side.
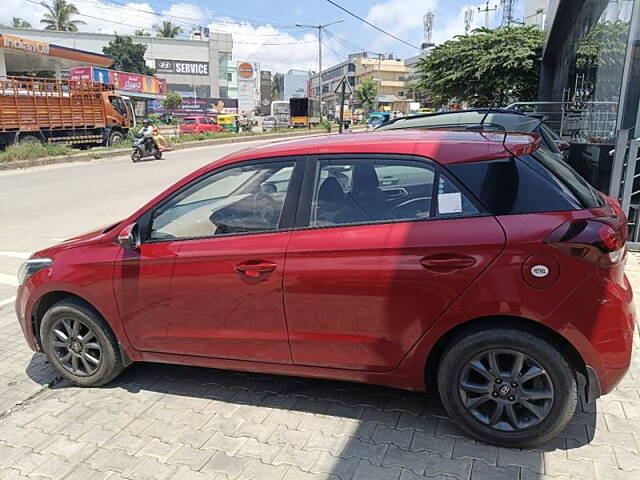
(414, 259)
(273, 123)
(199, 124)
(500, 118)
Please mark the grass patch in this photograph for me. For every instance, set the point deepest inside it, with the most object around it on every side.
(30, 151)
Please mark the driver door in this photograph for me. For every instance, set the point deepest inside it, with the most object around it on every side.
(231, 233)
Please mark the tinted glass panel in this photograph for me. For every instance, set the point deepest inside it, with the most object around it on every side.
(188, 121)
(512, 186)
(237, 200)
(365, 191)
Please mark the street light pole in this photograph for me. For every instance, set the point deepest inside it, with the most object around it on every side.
(319, 27)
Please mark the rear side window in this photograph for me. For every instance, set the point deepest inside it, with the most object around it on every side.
(188, 121)
(588, 196)
(516, 186)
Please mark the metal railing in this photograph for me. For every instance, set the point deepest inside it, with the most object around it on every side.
(577, 122)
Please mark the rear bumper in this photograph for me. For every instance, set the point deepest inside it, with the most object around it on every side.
(601, 328)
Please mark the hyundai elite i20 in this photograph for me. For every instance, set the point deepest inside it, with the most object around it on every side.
(466, 261)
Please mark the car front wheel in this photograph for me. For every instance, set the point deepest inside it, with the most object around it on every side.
(79, 344)
(507, 387)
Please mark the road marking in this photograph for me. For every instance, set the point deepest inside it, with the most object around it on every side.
(7, 301)
(8, 279)
(23, 255)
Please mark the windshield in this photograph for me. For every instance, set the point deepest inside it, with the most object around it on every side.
(375, 119)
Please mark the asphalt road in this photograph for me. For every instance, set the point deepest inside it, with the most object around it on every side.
(42, 206)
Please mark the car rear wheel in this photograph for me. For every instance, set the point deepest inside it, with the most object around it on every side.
(79, 344)
(507, 387)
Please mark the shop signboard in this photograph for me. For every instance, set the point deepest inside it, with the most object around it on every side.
(80, 74)
(102, 75)
(131, 82)
(181, 67)
(18, 43)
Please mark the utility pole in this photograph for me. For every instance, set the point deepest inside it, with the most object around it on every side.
(320, 27)
(508, 9)
(486, 11)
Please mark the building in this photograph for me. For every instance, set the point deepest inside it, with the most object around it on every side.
(295, 84)
(591, 78)
(535, 12)
(25, 55)
(388, 72)
(192, 67)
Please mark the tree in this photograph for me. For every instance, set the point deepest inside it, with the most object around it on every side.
(128, 56)
(167, 29)
(18, 22)
(486, 67)
(141, 32)
(366, 93)
(171, 101)
(59, 16)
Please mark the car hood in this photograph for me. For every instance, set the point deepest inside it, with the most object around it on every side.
(88, 238)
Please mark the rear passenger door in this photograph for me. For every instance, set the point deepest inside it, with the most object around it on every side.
(383, 244)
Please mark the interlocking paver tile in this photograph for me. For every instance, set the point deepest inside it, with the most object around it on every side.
(401, 438)
(451, 467)
(475, 450)
(440, 445)
(521, 458)
(397, 457)
(366, 471)
(262, 451)
(303, 459)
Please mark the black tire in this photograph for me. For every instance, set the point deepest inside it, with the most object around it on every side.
(553, 414)
(135, 155)
(73, 312)
(115, 137)
(29, 140)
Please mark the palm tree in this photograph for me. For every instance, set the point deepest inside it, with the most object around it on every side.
(167, 29)
(18, 22)
(141, 32)
(59, 16)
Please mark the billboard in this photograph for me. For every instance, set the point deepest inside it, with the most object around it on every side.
(199, 106)
(130, 82)
(181, 67)
(265, 92)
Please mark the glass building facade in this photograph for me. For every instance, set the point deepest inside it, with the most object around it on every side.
(590, 75)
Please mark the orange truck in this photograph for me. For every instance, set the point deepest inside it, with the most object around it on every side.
(81, 113)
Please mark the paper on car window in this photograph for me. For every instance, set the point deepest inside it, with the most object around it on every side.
(450, 203)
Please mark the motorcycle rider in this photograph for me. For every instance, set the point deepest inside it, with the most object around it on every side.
(151, 131)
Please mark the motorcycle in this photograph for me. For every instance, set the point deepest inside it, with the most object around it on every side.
(143, 147)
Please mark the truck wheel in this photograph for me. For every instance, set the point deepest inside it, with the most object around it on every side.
(29, 140)
(115, 137)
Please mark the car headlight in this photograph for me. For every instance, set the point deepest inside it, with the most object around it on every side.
(32, 266)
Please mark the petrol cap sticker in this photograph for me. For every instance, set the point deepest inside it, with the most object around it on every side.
(539, 271)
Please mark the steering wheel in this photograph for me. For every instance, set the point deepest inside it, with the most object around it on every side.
(265, 208)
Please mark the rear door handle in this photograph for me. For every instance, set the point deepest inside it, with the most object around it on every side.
(446, 262)
(255, 268)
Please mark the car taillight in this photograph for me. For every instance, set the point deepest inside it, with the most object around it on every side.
(597, 240)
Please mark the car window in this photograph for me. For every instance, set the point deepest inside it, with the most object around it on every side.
(241, 199)
(515, 186)
(366, 191)
(188, 121)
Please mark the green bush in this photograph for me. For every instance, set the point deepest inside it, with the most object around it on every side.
(29, 151)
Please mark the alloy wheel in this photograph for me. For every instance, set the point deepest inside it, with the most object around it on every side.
(506, 390)
(76, 346)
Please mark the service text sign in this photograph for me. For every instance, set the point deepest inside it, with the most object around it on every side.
(180, 67)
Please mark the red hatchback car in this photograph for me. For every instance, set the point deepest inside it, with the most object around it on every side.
(413, 259)
(199, 124)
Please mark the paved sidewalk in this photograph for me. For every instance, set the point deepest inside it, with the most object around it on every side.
(168, 422)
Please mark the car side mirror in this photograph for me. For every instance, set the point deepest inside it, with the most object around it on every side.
(129, 237)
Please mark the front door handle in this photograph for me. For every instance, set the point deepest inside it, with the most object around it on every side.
(255, 268)
(447, 262)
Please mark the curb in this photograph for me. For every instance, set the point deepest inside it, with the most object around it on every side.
(97, 155)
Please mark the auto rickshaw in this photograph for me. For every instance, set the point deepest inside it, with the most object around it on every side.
(229, 122)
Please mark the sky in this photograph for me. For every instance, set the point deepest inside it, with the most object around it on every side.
(265, 30)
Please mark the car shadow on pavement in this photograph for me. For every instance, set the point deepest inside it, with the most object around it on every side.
(295, 426)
